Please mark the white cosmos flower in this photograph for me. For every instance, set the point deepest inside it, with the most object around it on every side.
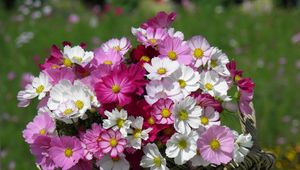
(109, 163)
(187, 79)
(38, 88)
(152, 158)
(200, 50)
(186, 115)
(120, 45)
(212, 83)
(209, 117)
(66, 112)
(117, 120)
(162, 89)
(64, 91)
(182, 147)
(242, 145)
(218, 61)
(136, 133)
(173, 33)
(135, 31)
(76, 55)
(160, 68)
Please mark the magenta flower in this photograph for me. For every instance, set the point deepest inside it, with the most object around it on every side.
(91, 139)
(161, 20)
(245, 100)
(176, 49)
(42, 124)
(152, 36)
(112, 142)
(162, 111)
(206, 100)
(66, 151)
(110, 57)
(39, 148)
(83, 165)
(216, 145)
(116, 87)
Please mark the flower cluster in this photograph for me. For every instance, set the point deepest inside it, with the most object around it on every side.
(119, 107)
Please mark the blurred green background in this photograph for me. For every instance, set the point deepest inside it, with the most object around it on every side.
(262, 35)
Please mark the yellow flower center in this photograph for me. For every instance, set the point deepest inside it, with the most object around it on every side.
(137, 133)
(67, 62)
(172, 55)
(117, 48)
(145, 58)
(198, 53)
(208, 86)
(165, 113)
(214, 144)
(161, 71)
(157, 161)
(152, 41)
(237, 78)
(113, 142)
(115, 88)
(204, 120)
(39, 89)
(182, 83)
(151, 121)
(120, 122)
(183, 115)
(68, 152)
(68, 111)
(182, 144)
(107, 62)
(79, 104)
(77, 58)
(213, 63)
(42, 131)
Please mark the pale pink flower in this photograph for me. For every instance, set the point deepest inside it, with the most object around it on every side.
(119, 45)
(152, 37)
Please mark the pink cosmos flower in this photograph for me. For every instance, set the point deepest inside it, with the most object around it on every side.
(209, 117)
(161, 20)
(162, 111)
(54, 60)
(119, 45)
(199, 50)
(246, 84)
(216, 145)
(112, 142)
(110, 57)
(176, 49)
(116, 87)
(91, 139)
(39, 148)
(245, 100)
(152, 37)
(65, 151)
(42, 124)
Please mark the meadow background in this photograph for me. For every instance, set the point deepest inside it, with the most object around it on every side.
(262, 35)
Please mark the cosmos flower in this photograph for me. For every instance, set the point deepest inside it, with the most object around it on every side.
(112, 143)
(242, 145)
(137, 133)
(218, 61)
(117, 120)
(110, 57)
(76, 55)
(175, 49)
(187, 78)
(209, 117)
(162, 111)
(152, 158)
(216, 145)
(151, 37)
(161, 20)
(119, 45)
(182, 147)
(42, 124)
(65, 151)
(199, 50)
(160, 68)
(186, 115)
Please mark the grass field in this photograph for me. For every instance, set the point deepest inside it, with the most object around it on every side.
(261, 44)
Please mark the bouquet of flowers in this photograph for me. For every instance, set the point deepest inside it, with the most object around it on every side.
(156, 106)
